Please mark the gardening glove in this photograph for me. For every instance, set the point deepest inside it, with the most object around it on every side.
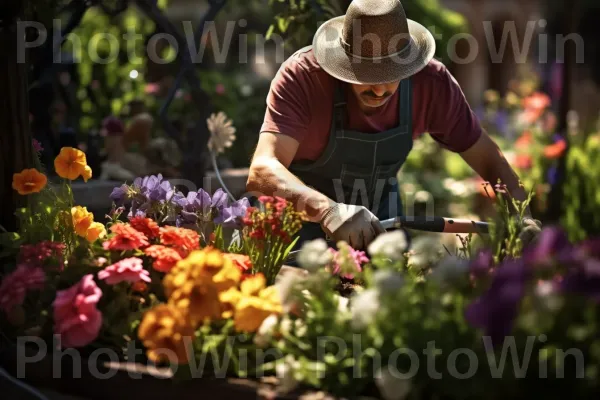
(530, 230)
(355, 225)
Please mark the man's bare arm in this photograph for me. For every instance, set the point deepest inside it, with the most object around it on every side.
(269, 175)
(486, 158)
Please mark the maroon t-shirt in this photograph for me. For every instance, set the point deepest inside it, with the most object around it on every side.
(300, 104)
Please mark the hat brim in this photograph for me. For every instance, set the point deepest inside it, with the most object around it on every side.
(335, 61)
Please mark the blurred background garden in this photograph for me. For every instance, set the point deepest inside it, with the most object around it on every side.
(536, 92)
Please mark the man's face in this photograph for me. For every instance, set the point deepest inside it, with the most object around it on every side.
(373, 96)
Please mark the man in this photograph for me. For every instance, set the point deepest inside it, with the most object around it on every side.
(342, 115)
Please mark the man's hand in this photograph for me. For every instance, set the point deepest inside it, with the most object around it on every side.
(355, 225)
(530, 230)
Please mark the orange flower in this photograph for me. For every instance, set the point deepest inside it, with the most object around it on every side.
(241, 261)
(524, 141)
(29, 181)
(523, 161)
(534, 107)
(139, 287)
(145, 225)
(555, 150)
(70, 163)
(95, 231)
(181, 238)
(82, 220)
(165, 257)
(87, 173)
(125, 238)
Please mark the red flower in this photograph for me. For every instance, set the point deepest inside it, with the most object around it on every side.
(145, 225)
(15, 286)
(43, 254)
(555, 150)
(125, 238)
(241, 261)
(165, 258)
(181, 238)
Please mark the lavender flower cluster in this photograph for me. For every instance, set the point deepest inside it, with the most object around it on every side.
(156, 198)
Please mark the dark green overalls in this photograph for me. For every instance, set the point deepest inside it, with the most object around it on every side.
(360, 168)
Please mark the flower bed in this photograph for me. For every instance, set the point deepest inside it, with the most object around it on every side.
(193, 284)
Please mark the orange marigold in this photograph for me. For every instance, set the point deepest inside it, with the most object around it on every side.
(29, 181)
(125, 238)
(181, 238)
(145, 225)
(165, 258)
(70, 163)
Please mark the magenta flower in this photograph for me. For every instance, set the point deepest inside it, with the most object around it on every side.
(77, 319)
(126, 270)
(482, 264)
(15, 286)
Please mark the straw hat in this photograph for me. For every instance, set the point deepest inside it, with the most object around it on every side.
(373, 43)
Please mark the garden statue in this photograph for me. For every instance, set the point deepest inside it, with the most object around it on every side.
(164, 157)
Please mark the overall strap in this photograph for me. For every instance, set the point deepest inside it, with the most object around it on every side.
(405, 104)
(339, 107)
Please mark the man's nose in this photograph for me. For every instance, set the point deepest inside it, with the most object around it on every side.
(379, 90)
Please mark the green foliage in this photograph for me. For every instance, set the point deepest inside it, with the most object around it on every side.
(581, 190)
(298, 20)
(111, 62)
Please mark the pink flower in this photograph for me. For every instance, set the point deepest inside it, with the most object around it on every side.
(152, 88)
(220, 88)
(15, 285)
(126, 270)
(76, 318)
(347, 260)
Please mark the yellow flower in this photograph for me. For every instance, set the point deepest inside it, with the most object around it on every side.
(95, 231)
(87, 173)
(253, 285)
(82, 220)
(271, 294)
(166, 334)
(70, 163)
(229, 299)
(228, 277)
(29, 181)
(198, 299)
(250, 313)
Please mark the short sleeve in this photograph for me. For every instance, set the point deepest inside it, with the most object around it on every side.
(452, 122)
(288, 108)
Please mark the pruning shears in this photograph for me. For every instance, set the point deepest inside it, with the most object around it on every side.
(427, 224)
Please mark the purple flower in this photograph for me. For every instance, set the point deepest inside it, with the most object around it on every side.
(583, 280)
(119, 194)
(501, 122)
(495, 310)
(552, 175)
(219, 199)
(482, 263)
(37, 146)
(231, 216)
(193, 204)
(552, 244)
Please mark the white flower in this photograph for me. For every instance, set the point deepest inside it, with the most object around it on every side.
(391, 245)
(301, 328)
(425, 252)
(314, 255)
(422, 196)
(287, 283)
(364, 307)
(546, 298)
(450, 270)
(391, 384)
(388, 281)
(285, 327)
(265, 332)
(222, 132)
(286, 370)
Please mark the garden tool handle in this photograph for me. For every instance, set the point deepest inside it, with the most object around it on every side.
(437, 224)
